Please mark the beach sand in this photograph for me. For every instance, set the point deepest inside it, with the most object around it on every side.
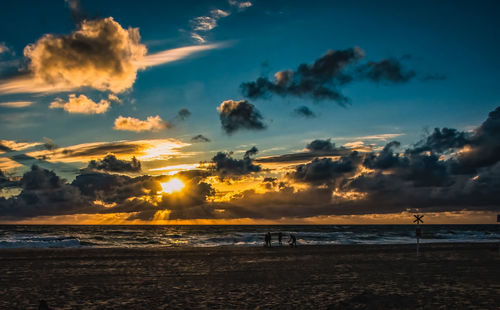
(453, 276)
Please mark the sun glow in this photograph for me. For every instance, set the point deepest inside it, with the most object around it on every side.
(173, 185)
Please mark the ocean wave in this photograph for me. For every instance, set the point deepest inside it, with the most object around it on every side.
(40, 242)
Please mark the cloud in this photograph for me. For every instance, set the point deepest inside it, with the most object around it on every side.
(321, 146)
(227, 166)
(49, 144)
(43, 193)
(319, 80)
(206, 23)
(241, 5)
(304, 112)
(423, 178)
(315, 148)
(81, 105)
(113, 97)
(77, 12)
(11, 145)
(142, 149)
(100, 54)
(183, 114)
(325, 170)
(112, 164)
(323, 79)
(200, 138)
(441, 140)
(237, 115)
(152, 123)
(16, 104)
(175, 54)
(386, 70)
(3, 48)
(483, 147)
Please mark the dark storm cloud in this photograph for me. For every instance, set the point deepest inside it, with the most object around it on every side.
(441, 141)
(321, 146)
(237, 115)
(386, 158)
(112, 164)
(43, 193)
(446, 171)
(484, 144)
(386, 70)
(226, 166)
(200, 138)
(323, 79)
(318, 80)
(46, 194)
(251, 152)
(325, 170)
(304, 112)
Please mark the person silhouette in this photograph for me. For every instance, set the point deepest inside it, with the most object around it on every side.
(268, 235)
(280, 236)
(292, 241)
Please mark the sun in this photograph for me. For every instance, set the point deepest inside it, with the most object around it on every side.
(173, 185)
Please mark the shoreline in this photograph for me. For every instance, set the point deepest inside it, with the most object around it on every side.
(453, 275)
(423, 244)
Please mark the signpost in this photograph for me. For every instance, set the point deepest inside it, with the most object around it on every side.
(418, 231)
(498, 221)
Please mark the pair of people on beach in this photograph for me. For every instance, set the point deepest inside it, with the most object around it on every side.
(292, 241)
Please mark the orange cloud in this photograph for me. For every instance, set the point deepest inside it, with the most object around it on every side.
(16, 104)
(100, 54)
(81, 105)
(152, 123)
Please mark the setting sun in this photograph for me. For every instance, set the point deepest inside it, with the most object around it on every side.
(174, 185)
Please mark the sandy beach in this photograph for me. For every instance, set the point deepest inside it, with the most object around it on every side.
(452, 276)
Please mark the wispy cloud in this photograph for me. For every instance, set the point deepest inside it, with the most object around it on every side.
(175, 54)
(202, 24)
(16, 104)
(383, 136)
(142, 149)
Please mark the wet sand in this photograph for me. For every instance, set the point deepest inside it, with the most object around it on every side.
(452, 276)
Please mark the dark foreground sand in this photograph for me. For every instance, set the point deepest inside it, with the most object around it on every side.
(452, 276)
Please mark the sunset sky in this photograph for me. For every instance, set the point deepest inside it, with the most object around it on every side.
(247, 112)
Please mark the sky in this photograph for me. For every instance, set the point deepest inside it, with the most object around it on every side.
(249, 112)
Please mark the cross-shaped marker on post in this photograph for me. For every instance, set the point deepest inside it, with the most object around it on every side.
(418, 219)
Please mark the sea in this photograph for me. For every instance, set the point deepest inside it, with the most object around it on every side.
(133, 236)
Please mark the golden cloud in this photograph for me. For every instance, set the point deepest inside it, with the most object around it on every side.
(18, 146)
(16, 104)
(100, 54)
(81, 105)
(142, 149)
(152, 123)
